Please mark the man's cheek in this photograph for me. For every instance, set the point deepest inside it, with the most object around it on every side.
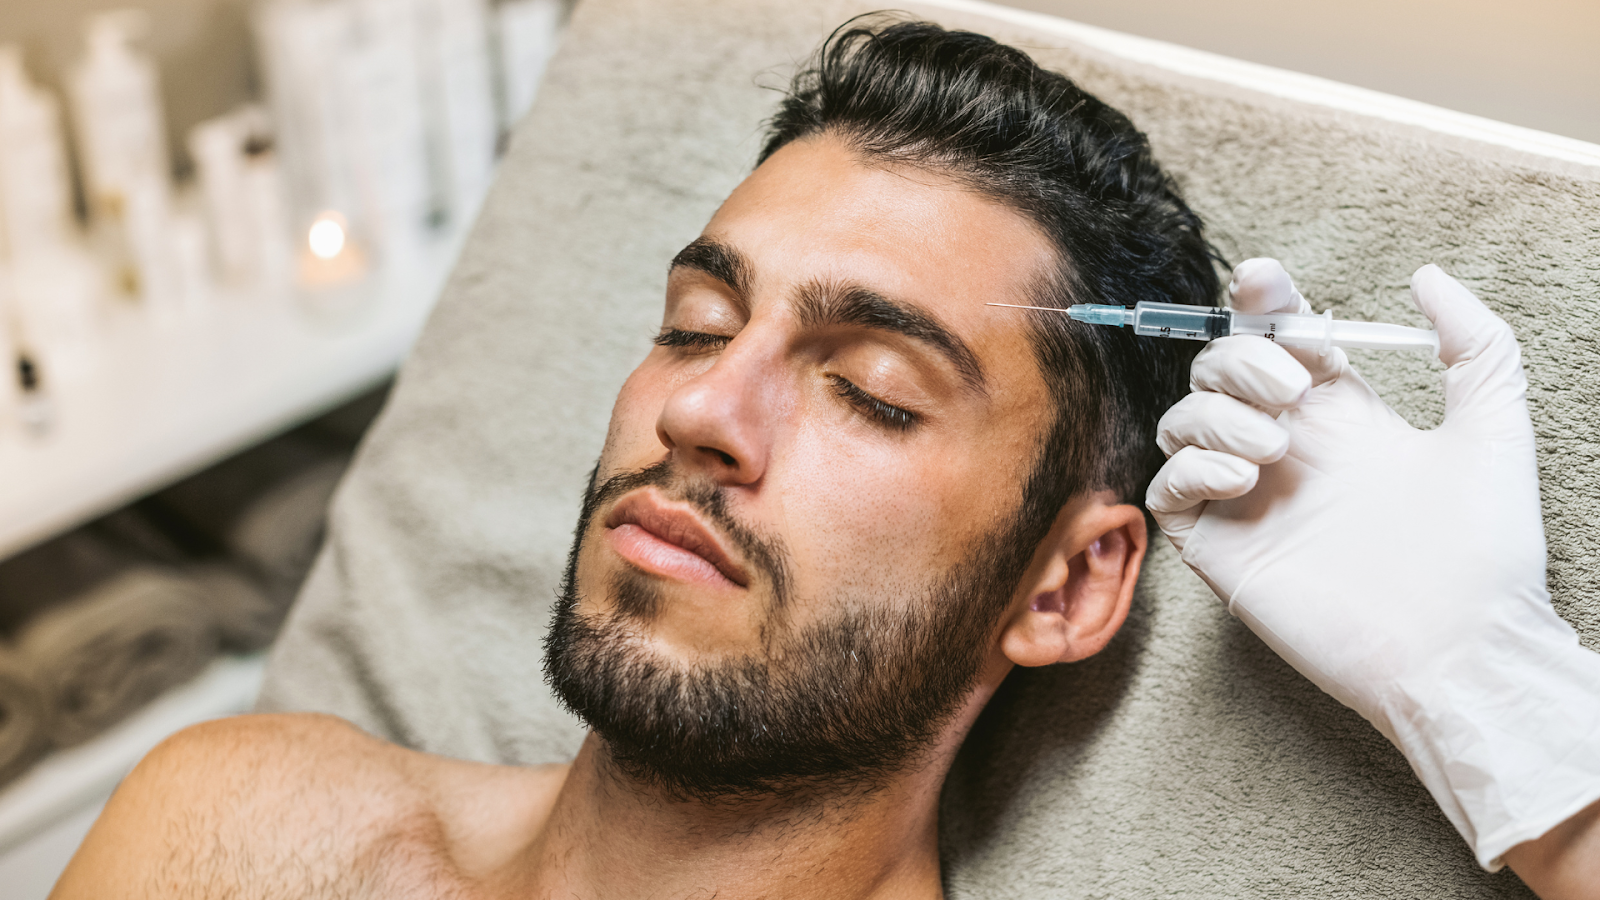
(631, 439)
(849, 509)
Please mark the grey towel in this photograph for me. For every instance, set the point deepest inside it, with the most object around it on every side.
(104, 654)
(23, 719)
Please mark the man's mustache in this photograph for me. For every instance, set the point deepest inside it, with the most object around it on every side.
(765, 554)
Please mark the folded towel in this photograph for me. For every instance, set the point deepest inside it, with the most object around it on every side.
(279, 533)
(246, 612)
(54, 572)
(105, 653)
(205, 507)
(344, 426)
(23, 735)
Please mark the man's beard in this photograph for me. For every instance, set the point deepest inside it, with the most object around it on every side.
(826, 710)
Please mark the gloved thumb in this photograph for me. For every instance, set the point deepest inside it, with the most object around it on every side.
(1485, 378)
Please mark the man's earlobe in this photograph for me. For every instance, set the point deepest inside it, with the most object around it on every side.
(1080, 586)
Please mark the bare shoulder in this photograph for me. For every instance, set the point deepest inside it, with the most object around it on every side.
(282, 805)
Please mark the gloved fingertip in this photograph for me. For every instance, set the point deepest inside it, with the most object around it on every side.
(1466, 327)
(1251, 369)
(1275, 451)
(1436, 293)
(1262, 285)
(1244, 475)
(1296, 384)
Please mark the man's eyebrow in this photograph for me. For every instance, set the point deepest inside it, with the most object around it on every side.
(821, 304)
(720, 261)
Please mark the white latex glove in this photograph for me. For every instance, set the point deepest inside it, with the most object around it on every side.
(1402, 571)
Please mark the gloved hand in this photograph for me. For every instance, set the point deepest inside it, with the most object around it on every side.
(1402, 571)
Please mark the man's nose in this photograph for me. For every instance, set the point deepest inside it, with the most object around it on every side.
(718, 423)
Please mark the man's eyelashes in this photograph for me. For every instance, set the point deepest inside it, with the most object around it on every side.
(692, 340)
(886, 415)
(891, 417)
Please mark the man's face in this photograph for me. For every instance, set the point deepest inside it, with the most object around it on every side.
(822, 458)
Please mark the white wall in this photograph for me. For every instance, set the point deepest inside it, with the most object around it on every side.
(1529, 62)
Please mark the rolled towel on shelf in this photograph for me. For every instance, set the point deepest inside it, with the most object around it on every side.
(207, 506)
(279, 533)
(106, 653)
(247, 613)
(54, 572)
(24, 718)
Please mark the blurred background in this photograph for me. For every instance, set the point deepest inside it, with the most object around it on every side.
(1532, 63)
(222, 223)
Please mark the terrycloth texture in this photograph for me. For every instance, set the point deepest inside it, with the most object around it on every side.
(23, 718)
(1185, 760)
(105, 654)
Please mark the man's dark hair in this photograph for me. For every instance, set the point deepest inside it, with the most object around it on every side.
(987, 115)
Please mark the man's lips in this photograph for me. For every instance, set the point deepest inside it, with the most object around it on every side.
(669, 540)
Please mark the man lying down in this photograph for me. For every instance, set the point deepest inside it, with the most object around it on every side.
(842, 497)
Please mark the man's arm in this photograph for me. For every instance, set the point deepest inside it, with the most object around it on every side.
(1564, 864)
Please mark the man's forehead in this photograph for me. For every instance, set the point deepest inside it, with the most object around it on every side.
(818, 213)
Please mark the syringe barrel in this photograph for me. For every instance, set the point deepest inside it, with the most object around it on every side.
(1291, 329)
(1324, 331)
(1176, 320)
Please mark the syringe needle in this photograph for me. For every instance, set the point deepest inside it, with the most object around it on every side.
(1017, 306)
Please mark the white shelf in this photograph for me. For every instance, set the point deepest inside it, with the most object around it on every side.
(68, 780)
(157, 401)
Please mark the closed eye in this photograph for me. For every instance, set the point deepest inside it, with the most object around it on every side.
(889, 416)
(692, 340)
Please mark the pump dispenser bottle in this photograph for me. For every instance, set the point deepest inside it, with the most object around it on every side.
(35, 195)
(123, 149)
(50, 282)
(458, 101)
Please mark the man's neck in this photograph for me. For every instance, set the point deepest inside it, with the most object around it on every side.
(608, 836)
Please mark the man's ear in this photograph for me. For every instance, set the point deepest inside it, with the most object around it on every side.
(1078, 589)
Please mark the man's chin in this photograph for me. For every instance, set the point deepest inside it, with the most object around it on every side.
(828, 714)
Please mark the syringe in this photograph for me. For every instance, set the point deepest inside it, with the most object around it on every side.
(1205, 323)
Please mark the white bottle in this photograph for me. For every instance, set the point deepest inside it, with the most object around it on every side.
(189, 242)
(344, 88)
(35, 195)
(9, 392)
(24, 401)
(265, 205)
(459, 104)
(50, 281)
(226, 150)
(123, 150)
(527, 32)
(384, 130)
